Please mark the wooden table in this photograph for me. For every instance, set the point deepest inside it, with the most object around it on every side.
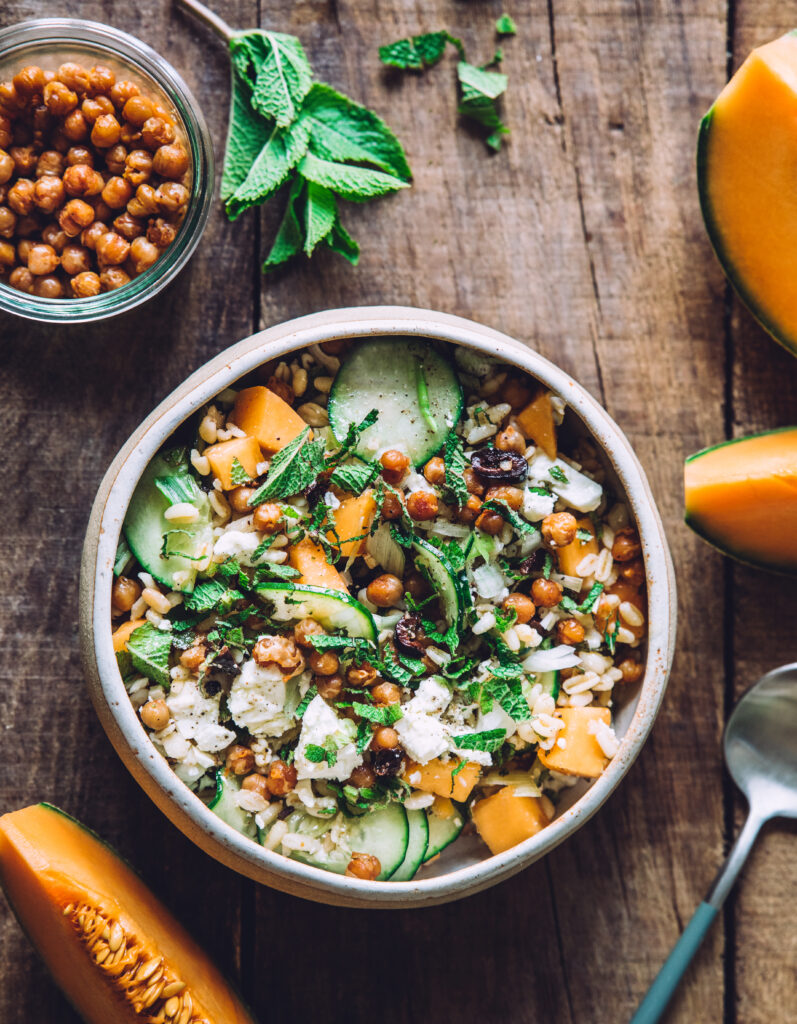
(582, 238)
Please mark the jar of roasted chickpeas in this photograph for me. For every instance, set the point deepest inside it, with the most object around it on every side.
(106, 171)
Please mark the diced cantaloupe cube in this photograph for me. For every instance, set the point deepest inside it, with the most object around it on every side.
(505, 819)
(443, 808)
(442, 777)
(582, 755)
(315, 571)
(266, 417)
(536, 422)
(222, 455)
(353, 519)
(122, 634)
(571, 554)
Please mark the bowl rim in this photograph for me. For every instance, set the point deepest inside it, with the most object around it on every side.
(128, 49)
(117, 715)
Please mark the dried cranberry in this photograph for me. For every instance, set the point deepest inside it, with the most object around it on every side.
(534, 563)
(408, 636)
(387, 762)
(500, 467)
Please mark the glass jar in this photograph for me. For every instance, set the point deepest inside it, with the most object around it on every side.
(50, 42)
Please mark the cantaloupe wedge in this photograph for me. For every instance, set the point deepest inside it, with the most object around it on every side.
(741, 496)
(746, 161)
(505, 819)
(114, 949)
(267, 417)
(582, 755)
(353, 518)
(438, 777)
(222, 457)
(536, 422)
(122, 634)
(311, 561)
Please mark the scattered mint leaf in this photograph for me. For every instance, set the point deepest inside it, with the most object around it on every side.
(505, 26)
(610, 638)
(503, 622)
(419, 52)
(292, 469)
(489, 740)
(263, 547)
(274, 571)
(449, 639)
(394, 670)
(557, 473)
(362, 649)
(355, 477)
(379, 716)
(455, 463)
(149, 650)
(479, 92)
(277, 70)
(238, 474)
(591, 599)
(352, 438)
(508, 692)
(304, 703)
(548, 566)
(350, 181)
(364, 735)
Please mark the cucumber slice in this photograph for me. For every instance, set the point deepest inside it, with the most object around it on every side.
(148, 532)
(334, 609)
(549, 682)
(416, 846)
(415, 390)
(450, 585)
(442, 832)
(383, 834)
(224, 806)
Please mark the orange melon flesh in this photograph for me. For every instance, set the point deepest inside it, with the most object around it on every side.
(266, 417)
(742, 497)
(315, 571)
(53, 871)
(747, 168)
(353, 519)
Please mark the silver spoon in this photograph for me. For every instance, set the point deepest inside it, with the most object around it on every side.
(761, 754)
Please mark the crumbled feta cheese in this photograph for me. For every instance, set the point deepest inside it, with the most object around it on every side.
(418, 801)
(421, 735)
(196, 717)
(257, 700)
(320, 725)
(577, 489)
(236, 544)
(537, 506)
(317, 806)
(431, 697)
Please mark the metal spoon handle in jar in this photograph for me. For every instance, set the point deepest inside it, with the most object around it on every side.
(661, 991)
(207, 17)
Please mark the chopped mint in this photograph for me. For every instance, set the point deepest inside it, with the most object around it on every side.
(364, 735)
(314, 753)
(149, 650)
(455, 463)
(355, 477)
(378, 715)
(517, 522)
(489, 740)
(352, 438)
(546, 570)
(419, 52)
(558, 474)
(209, 595)
(293, 468)
(505, 26)
(238, 474)
(583, 536)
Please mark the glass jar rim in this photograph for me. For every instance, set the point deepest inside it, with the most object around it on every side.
(126, 49)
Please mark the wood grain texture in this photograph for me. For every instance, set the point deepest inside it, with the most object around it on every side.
(583, 239)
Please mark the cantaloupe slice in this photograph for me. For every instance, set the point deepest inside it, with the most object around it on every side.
(267, 417)
(353, 518)
(505, 819)
(582, 755)
(746, 160)
(222, 456)
(570, 556)
(444, 778)
(536, 422)
(122, 634)
(741, 496)
(117, 953)
(311, 561)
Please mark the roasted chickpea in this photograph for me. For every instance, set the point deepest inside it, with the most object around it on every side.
(570, 631)
(267, 517)
(115, 159)
(21, 279)
(473, 483)
(386, 693)
(240, 760)
(75, 259)
(29, 81)
(74, 76)
(510, 440)
(122, 91)
(85, 285)
(48, 193)
(76, 126)
(363, 777)
(435, 470)
(416, 586)
(280, 387)
(394, 466)
(256, 784)
(59, 98)
(306, 628)
(124, 593)
(23, 250)
(127, 226)
(329, 687)
(48, 286)
(137, 110)
(130, 137)
(8, 255)
(50, 162)
(161, 233)
(8, 221)
(96, 107)
(172, 197)
(143, 203)
(238, 497)
(42, 259)
(75, 216)
(77, 155)
(156, 132)
(25, 159)
(193, 658)
(91, 235)
(632, 670)
(546, 593)
(359, 676)
(155, 714)
(117, 193)
(632, 572)
(170, 161)
(10, 100)
(112, 278)
(112, 249)
(385, 591)
(385, 738)
(101, 79)
(6, 166)
(422, 505)
(559, 529)
(281, 651)
(523, 606)
(364, 866)
(106, 131)
(490, 522)
(6, 137)
(323, 663)
(392, 506)
(511, 496)
(281, 778)
(626, 545)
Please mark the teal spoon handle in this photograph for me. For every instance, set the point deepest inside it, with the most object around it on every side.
(661, 991)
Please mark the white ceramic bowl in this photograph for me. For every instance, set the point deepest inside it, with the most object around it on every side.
(464, 869)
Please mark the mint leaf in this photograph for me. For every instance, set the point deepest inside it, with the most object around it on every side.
(364, 735)
(455, 463)
(149, 650)
(206, 596)
(490, 740)
(352, 438)
(278, 71)
(274, 571)
(479, 91)
(238, 474)
(321, 213)
(355, 477)
(363, 649)
(591, 599)
(418, 52)
(341, 242)
(314, 753)
(505, 26)
(558, 474)
(393, 669)
(583, 536)
(350, 182)
(247, 134)
(304, 703)
(508, 692)
(380, 716)
(289, 240)
(263, 547)
(281, 152)
(517, 522)
(292, 469)
(343, 130)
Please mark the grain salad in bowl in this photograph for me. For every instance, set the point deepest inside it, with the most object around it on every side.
(378, 596)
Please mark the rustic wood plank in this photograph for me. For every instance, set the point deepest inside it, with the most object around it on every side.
(70, 398)
(763, 395)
